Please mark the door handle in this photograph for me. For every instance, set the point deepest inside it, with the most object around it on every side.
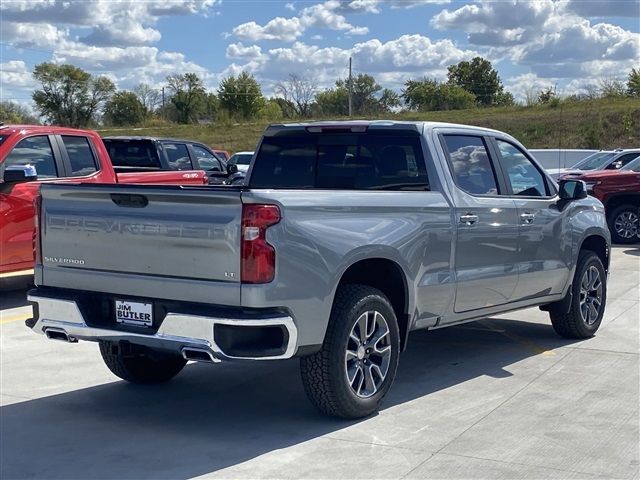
(131, 201)
(468, 218)
(527, 218)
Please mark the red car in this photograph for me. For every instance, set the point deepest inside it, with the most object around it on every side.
(223, 154)
(31, 155)
(619, 191)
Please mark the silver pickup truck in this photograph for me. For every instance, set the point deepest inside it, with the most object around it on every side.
(347, 236)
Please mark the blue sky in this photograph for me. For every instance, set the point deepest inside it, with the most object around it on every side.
(569, 44)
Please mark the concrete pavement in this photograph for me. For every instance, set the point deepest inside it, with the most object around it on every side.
(499, 398)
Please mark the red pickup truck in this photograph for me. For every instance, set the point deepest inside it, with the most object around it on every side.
(31, 155)
(619, 191)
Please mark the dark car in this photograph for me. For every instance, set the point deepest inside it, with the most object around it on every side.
(150, 153)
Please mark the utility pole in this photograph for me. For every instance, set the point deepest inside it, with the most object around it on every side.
(163, 111)
(350, 88)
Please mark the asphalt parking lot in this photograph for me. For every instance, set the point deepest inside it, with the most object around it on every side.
(499, 398)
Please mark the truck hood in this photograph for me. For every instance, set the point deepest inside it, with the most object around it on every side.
(596, 175)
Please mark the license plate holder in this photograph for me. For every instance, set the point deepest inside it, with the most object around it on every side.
(138, 314)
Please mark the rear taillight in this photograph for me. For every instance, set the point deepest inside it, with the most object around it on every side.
(258, 256)
(37, 245)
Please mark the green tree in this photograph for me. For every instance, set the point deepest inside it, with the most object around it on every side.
(150, 97)
(69, 95)
(241, 96)
(389, 100)
(478, 77)
(428, 95)
(271, 110)
(12, 112)
(611, 87)
(368, 98)
(545, 96)
(187, 96)
(298, 92)
(124, 108)
(334, 101)
(633, 82)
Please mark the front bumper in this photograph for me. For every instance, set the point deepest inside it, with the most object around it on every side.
(178, 333)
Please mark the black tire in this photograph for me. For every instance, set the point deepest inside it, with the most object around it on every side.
(146, 368)
(324, 374)
(617, 236)
(572, 324)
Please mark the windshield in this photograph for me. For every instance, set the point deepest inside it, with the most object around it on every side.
(3, 138)
(594, 162)
(241, 158)
(632, 166)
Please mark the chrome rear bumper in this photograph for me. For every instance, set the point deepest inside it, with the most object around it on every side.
(177, 332)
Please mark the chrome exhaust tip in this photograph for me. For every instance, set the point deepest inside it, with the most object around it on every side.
(199, 355)
(59, 334)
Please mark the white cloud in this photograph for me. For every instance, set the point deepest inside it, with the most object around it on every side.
(239, 51)
(285, 29)
(528, 86)
(605, 8)
(15, 73)
(322, 15)
(32, 35)
(290, 6)
(545, 35)
(122, 23)
(392, 62)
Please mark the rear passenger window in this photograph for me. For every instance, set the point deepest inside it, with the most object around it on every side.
(525, 179)
(134, 154)
(350, 161)
(80, 155)
(178, 156)
(34, 151)
(472, 168)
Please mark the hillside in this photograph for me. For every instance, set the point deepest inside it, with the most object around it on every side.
(600, 123)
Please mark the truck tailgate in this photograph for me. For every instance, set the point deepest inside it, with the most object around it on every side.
(150, 241)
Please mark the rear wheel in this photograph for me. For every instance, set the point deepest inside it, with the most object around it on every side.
(141, 367)
(624, 224)
(589, 295)
(357, 364)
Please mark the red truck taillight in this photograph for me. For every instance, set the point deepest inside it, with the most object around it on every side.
(37, 245)
(258, 256)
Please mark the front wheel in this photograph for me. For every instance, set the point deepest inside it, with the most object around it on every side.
(624, 224)
(150, 367)
(357, 364)
(589, 295)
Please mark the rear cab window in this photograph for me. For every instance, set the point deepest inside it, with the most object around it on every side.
(141, 154)
(341, 161)
(82, 161)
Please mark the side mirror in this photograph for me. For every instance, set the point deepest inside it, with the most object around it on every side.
(20, 174)
(232, 168)
(572, 189)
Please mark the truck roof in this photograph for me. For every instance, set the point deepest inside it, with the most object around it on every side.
(154, 139)
(45, 129)
(417, 126)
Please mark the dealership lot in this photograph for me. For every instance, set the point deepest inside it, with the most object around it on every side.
(499, 398)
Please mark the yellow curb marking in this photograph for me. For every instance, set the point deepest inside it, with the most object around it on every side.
(13, 318)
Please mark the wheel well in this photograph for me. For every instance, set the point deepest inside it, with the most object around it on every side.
(617, 200)
(388, 277)
(598, 245)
